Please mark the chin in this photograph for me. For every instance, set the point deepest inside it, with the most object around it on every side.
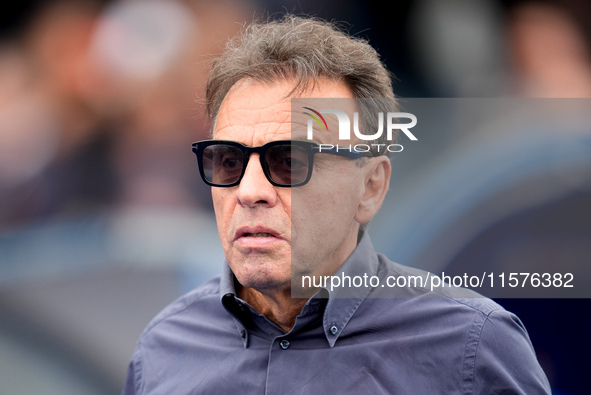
(264, 283)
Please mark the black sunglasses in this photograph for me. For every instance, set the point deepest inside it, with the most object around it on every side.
(286, 163)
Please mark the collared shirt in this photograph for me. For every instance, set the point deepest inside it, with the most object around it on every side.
(352, 340)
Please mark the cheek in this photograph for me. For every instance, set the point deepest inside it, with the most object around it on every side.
(312, 212)
(221, 208)
(326, 212)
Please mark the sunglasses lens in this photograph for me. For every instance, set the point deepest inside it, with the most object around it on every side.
(288, 164)
(222, 164)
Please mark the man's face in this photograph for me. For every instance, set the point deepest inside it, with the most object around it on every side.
(267, 231)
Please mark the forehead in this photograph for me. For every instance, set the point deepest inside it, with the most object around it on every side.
(254, 113)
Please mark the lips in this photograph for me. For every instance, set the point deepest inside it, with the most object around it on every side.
(249, 239)
(255, 232)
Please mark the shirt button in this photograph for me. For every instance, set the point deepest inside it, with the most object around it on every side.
(334, 330)
(284, 344)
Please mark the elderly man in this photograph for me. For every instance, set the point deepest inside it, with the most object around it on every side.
(288, 210)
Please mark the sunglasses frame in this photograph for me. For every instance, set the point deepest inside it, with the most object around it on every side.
(310, 147)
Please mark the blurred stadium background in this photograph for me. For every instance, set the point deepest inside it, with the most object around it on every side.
(104, 220)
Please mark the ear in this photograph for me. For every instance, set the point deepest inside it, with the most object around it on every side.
(377, 182)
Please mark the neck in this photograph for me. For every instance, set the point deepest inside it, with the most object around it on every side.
(278, 307)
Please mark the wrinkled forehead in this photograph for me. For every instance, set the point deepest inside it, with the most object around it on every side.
(256, 112)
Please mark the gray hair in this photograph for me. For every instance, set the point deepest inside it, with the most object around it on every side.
(303, 49)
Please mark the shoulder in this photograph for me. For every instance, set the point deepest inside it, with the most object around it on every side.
(408, 282)
(493, 345)
(169, 331)
(202, 297)
(427, 294)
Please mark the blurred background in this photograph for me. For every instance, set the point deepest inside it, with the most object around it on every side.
(104, 219)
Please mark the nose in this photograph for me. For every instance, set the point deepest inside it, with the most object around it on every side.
(254, 188)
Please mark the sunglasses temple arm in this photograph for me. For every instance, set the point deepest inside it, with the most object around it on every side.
(344, 151)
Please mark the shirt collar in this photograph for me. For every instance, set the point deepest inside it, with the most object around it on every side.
(343, 301)
(231, 303)
(227, 281)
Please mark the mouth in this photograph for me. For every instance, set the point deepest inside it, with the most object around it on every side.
(256, 232)
(260, 234)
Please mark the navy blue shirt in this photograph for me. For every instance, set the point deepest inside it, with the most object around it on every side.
(365, 340)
